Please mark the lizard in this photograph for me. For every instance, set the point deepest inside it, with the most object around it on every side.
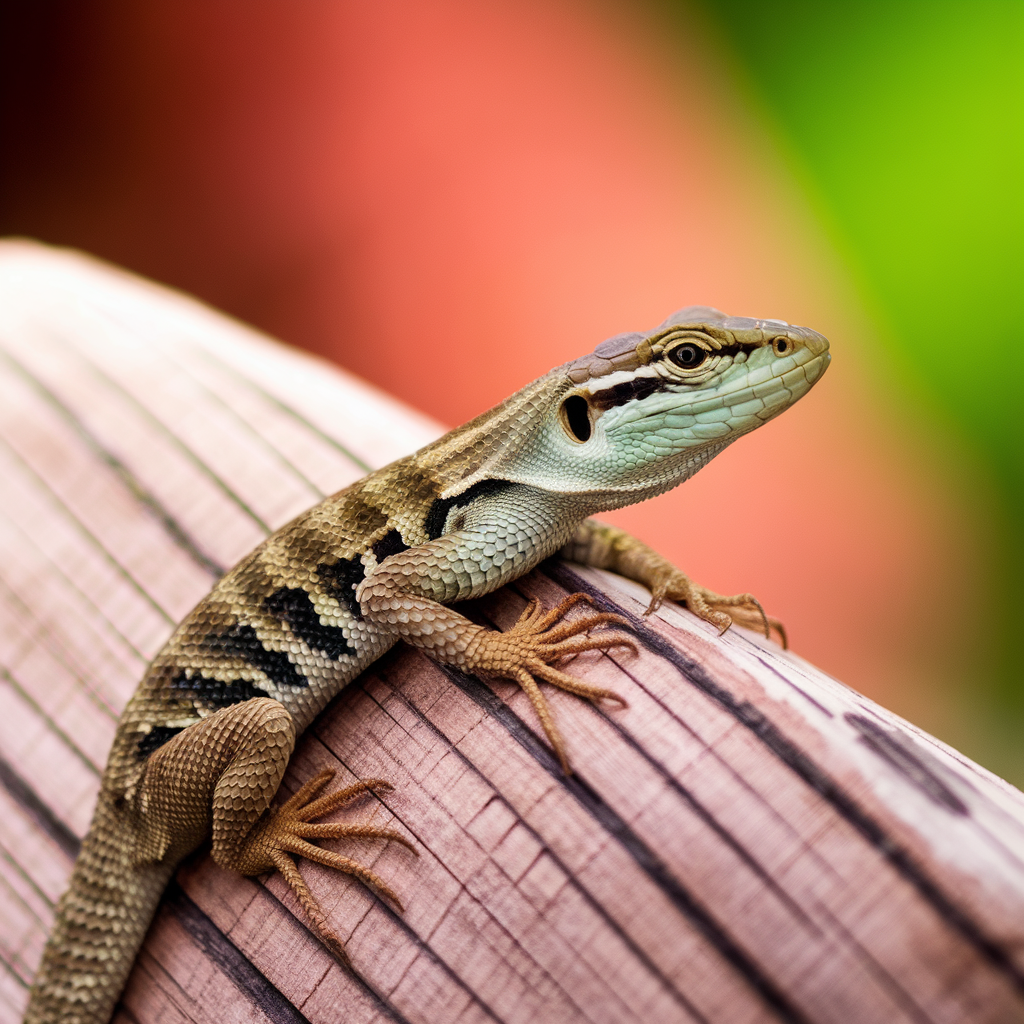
(203, 744)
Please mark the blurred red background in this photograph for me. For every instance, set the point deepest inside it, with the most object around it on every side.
(449, 198)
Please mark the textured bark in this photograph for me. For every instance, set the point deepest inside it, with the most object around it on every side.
(749, 840)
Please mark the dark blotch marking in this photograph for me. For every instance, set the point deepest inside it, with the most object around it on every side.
(295, 606)
(628, 390)
(156, 738)
(217, 694)
(241, 641)
(340, 581)
(390, 544)
(433, 524)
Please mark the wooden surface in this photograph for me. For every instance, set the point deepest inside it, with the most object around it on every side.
(748, 841)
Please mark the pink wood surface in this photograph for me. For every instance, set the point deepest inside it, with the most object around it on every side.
(748, 841)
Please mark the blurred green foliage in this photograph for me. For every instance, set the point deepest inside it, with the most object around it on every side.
(906, 120)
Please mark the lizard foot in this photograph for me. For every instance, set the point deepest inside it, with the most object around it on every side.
(718, 609)
(525, 654)
(286, 830)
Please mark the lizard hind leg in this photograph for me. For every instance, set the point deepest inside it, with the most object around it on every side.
(285, 831)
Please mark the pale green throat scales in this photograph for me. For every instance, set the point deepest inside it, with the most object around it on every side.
(203, 744)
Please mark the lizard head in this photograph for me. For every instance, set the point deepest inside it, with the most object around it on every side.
(643, 412)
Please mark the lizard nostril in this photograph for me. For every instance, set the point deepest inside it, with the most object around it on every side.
(781, 346)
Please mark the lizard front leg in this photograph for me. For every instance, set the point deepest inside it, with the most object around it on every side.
(607, 547)
(405, 595)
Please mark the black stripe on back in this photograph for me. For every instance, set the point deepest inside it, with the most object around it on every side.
(155, 738)
(214, 693)
(433, 524)
(340, 581)
(295, 606)
(390, 544)
(241, 641)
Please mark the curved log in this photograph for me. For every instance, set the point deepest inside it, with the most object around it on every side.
(749, 840)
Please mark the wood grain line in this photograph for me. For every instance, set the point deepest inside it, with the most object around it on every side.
(188, 369)
(908, 762)
(45, 716)
(333, 442)
(56, 500)
(175, 441)
(23, 795)
(398, 921)
(544, 849)
(695, 804)
(88, 599)
(54, 643)
(892, 985)
(226, 955)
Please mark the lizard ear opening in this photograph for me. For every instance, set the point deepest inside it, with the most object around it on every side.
(575, 416)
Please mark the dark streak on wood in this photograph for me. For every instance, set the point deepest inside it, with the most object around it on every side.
(287, 409)
(226, 955)
(383, 1004)
(899, 752)
(380, 669)
(878, 971)
(177, 443)
(649, 862)
(82, 529)
(709, 819)
(811, 773)
(701, 811)
(26, 798)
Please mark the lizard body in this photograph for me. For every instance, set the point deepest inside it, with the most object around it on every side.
(203, 744)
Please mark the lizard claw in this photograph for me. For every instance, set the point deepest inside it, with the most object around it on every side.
(525, 653)
(285, 833)
(720, 610)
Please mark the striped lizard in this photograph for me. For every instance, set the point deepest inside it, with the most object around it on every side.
(203, 744)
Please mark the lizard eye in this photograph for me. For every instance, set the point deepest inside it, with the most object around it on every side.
(688, 356)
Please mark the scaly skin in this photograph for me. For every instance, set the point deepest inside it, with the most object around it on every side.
(204, 743)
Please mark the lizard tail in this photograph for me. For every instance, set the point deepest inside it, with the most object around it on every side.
(101, 922)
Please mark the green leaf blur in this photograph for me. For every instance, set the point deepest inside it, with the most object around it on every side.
(909, 116)
(906, 120)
